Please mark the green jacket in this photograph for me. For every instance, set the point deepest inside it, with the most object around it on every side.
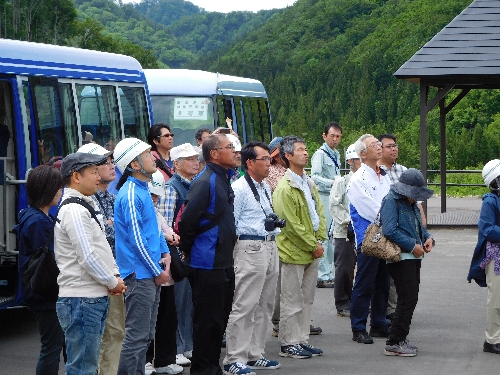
(297, 240)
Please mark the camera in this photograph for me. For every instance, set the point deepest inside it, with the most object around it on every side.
(273, 221)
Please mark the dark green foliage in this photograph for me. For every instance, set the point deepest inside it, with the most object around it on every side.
(324, 60)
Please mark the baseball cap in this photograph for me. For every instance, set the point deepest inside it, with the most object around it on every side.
(78, 160)
(183, 151)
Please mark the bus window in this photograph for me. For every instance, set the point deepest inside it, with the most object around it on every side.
(135, 112)
(99, 113)
(55, 130)
(184, 115)
(257, 123)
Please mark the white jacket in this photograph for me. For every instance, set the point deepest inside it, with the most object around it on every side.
(86, 264)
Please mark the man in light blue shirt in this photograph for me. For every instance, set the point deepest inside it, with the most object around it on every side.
(255, 266)
(325, 168)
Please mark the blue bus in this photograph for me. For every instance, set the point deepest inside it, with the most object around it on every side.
(189, 100)
(52, 100)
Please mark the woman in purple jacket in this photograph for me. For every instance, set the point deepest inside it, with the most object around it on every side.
(44, 188)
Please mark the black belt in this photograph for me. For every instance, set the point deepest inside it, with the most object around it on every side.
(256, 238)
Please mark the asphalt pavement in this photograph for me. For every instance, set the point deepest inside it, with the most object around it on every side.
(448, 325)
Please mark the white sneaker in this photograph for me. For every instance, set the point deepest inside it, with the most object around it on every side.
(149, 369)
(170, 369)
(188, 354)
(181, 360)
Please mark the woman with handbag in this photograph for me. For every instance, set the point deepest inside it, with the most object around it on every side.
(44, 189)
(485, 265)
(402, 225)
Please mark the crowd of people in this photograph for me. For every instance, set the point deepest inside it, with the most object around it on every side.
(256, 235)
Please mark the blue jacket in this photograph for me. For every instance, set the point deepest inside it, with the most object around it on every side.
(398, 223)
(489, 230)
(32, 232)
(210, 198)
(139, 243)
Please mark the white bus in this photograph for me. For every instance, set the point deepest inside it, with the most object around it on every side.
(188, 100)
(53, 99)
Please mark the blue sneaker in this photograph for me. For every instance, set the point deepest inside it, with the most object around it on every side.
(238, 368)
(294, 351)
(311, 349)
(263, 364)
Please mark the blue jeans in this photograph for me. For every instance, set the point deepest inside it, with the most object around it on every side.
(52, 340)
(184, 305)
(371, 287)
(82, 320)
(141, 308)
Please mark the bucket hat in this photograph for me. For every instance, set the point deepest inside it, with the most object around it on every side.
(411, 184)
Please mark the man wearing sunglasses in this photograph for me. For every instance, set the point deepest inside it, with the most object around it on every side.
(208, 236)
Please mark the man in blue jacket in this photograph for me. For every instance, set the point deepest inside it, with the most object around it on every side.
(208, 236)
(141, 252)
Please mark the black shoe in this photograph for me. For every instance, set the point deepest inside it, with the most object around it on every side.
(325, 284)
(379, 332)
(491, 348)
(314, 330)
(362, 337)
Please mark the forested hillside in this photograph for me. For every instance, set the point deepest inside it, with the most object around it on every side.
(324, 60)
(56, 22)
(176, 30)
(320, 60)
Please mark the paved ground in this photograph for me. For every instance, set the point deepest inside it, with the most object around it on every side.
(448, 325)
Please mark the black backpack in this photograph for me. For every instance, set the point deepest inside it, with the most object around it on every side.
(41, 274)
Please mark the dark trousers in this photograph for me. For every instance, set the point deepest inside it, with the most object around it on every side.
(52, 340)
(164, 346)
(212, 299)
(344, 261)
(371, 288)
(406, 276)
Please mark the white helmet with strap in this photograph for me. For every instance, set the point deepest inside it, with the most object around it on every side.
(351, 153)
(94, 148)
(126, 151)
(490, 172)
(157, 184)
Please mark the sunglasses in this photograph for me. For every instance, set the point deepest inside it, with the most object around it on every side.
(167, 135)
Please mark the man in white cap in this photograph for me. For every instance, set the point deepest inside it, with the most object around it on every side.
(343, 236)
(186, 165)
(115, 323)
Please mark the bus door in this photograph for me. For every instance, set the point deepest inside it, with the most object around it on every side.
(9, 191)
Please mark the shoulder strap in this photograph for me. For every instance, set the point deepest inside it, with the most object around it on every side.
(81, 202)
(331, 157)
(76, 200)
(163, 166)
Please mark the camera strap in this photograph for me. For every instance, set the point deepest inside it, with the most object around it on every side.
(256, 194)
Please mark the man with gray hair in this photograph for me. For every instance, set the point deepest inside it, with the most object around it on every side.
(296, 199)
(367, 188)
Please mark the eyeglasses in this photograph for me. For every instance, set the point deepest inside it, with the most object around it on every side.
(375, 144)
(394, 145)
(229, 147)
(167, 135)
(264, 158)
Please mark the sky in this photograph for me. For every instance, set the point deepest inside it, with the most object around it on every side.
(226, 6)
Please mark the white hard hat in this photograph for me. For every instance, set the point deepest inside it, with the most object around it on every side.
(351, 153)
(235, 141)
(94, 148)
(127, 150)
(491, 171)
(157, 184)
